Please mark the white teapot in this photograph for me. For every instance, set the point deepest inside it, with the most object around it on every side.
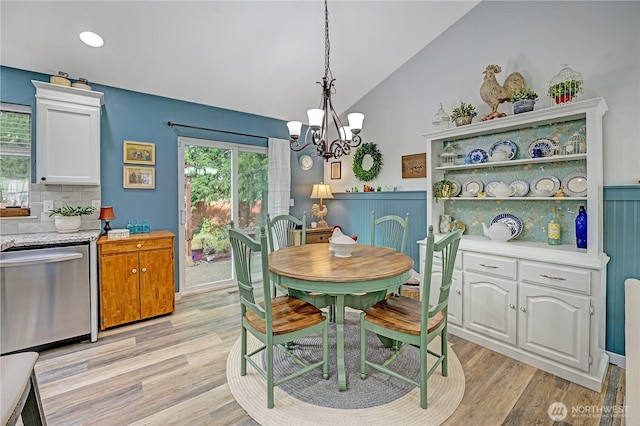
(497, 232)
(502, 190)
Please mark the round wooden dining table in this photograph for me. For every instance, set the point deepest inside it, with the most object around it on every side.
(313, 268)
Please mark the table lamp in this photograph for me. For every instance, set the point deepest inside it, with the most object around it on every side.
(320, 191)
(106, 214)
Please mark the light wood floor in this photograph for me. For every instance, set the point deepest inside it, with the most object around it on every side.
(171, 370)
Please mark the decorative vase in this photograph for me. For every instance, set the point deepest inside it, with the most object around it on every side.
(67, 224)
(461, 121)
(581, 228)
(523, 106)
(445, 224)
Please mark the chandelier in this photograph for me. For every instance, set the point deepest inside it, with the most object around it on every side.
(317, 135)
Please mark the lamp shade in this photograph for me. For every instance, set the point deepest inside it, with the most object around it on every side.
(106, 213)
(321, 190)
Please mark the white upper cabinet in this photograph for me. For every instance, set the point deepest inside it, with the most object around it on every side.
(67, 135)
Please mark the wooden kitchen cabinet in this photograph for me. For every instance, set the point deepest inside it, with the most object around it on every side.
(314, 235)
(136, 277)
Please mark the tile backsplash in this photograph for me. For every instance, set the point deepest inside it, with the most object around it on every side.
(61, 195)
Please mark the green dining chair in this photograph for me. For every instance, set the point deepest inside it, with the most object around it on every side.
(402, 321)
(281, 234)
(390, 231)
(276, 321)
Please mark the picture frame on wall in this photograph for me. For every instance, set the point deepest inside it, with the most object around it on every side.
(139, 153)
(414, 166)
(336, 170)
(138, 177)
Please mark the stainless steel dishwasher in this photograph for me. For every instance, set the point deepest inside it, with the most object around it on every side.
(44, 296)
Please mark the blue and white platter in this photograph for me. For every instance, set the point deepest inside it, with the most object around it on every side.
(575, 184)
(521, 187)
(512, 221)
(546, 146)
(489, 187)
(476, 156)
(506, 145)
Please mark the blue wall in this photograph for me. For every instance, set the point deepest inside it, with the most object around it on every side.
(135, 116)
(622, 244)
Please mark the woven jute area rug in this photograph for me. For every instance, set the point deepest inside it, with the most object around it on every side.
(378, 400)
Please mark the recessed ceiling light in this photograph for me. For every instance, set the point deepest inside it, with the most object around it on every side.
(91, 39)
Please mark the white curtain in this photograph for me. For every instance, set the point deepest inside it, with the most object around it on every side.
(279, 176)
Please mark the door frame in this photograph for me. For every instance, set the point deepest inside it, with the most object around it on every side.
(235, 148)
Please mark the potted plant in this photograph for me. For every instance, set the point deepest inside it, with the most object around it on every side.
(523, 100)
(564, 91)
(463, 114)
(68, 219)
(443, 189)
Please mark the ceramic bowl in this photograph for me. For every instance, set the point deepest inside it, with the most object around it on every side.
(341, 249)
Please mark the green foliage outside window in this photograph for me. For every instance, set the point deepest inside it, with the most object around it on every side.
(15, 157)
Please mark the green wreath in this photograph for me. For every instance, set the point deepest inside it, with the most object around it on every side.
(362, 174)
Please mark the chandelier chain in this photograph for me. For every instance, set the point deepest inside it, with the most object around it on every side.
(327, 47)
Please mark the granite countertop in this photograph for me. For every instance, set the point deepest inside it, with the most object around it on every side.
(25, 240)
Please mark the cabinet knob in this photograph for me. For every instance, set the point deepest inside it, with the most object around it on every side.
(134, 271)
(43, 178)
(139, 245)
(512, 306)
(523, 309)
(144, 269)
(458, 292)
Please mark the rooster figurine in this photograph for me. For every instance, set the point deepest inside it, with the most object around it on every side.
(320, 211)
(494, 94)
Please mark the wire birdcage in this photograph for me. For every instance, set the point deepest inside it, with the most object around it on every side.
(441, 121)
(565, 86)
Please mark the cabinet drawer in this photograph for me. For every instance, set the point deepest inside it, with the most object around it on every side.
(139, 245)
(562, 277)
(318, 238)
(497, 266)
(437, 259)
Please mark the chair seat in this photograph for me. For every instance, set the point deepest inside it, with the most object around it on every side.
(401, 314)
(289, 314)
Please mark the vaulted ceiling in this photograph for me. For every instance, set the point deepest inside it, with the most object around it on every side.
(260, 57)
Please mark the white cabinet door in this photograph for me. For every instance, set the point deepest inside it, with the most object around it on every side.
(490, 306)
(555, 325)
(67, 135)
(455, 293)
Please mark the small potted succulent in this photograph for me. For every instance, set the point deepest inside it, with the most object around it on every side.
(523, 100)
(564, 91)
(68, 219)
(463, 114)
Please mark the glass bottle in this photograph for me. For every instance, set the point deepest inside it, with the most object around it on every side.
(581, 228)
(554, 230)
(130, 227)
(138, 227)
(145, 226)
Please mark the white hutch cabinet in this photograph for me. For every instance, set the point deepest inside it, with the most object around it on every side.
(538, 303)
(67, 134)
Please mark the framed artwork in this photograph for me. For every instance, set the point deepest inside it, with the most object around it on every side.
(139, 177)
(139, 153)
(336, 170)
(414, 166)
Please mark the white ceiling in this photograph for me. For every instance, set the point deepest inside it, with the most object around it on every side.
(261, 57)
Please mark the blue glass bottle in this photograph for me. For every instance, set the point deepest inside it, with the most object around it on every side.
(581, 228)
(130, 228)
(138, 227)
(145, 227)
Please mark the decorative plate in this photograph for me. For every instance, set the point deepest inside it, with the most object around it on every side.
(507, 146)
(473, 186)
(511, 221)
(546, 183)
(488, 188)
(575, 184)
(546, 146)
(457, 188)
(521, 186)
(476, 156)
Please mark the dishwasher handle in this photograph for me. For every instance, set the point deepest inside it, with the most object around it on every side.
(39, 259)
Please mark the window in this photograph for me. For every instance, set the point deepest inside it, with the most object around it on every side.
(15, 155)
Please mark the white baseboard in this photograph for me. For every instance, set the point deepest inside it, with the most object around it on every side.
(177, 296)
(617, 359)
